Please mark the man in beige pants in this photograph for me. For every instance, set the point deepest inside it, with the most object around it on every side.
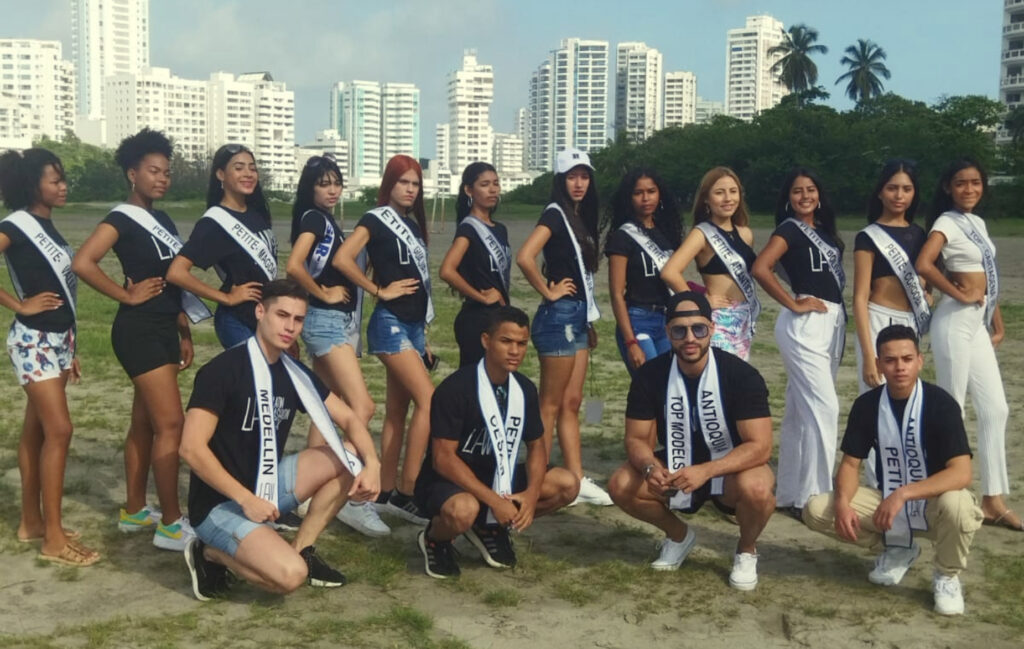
(924, 469)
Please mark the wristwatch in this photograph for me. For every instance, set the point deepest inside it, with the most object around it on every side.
(647, 470)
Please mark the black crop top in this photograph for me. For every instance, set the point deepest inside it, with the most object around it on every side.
(715, 266)
(911, 238)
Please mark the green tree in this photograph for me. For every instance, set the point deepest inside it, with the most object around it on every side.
(865, 63)
(1014, 123)
(796, 70)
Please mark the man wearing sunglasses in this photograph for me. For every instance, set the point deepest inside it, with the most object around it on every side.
(698, 428)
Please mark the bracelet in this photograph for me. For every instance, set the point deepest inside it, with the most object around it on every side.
(376, 291)
(632, 341)
(647, 471)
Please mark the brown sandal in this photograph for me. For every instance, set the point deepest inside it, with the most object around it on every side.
(73, 554)
(71, 535)
(998, 521)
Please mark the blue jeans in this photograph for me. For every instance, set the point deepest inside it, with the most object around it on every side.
(649, 331)
(229, 329)
(560, 327)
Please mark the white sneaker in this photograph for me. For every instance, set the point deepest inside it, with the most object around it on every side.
(174, 537)
(949, 599)
(892, 564)
(591, 494)
(674, 552)
(363, 518)
(744, 571)
(303, 508)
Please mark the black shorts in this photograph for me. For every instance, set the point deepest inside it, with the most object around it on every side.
(145, 341)
(700, 496)
(433, 491)
(470, 322)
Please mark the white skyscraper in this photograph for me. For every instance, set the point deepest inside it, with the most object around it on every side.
(400, 120)
(638, 90)
(568, 102)
(470, 93)
(750, 85)
(356, 115)
(325, 141)
(680, 98)
(707, 109)
(108, 37)
(230, 111)
(508, 154)
(155, 98)
(1011, 69)
(37, 92)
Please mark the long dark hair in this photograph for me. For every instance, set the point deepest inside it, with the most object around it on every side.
(585, 227)
(20, 174)
(666, 215)
(134, 148)
(396, 167)
(701, 212)
(215, 191)
(942, 201)
(469, 176)
(890, 169)
(317, 167)
(824, 216)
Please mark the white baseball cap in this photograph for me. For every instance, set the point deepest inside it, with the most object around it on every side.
(571, 158)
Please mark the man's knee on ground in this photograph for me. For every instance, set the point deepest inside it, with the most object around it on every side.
(958, 508)
(460, 511)
(291, 573)
(565, 485)
(819, 513)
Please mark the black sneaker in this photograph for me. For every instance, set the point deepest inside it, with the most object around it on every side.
(289, 522)
(405, 507)
(209, 579)
(320, 575)
(438, 557)
(494, 544)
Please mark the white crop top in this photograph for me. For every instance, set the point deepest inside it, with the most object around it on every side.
(960, 254)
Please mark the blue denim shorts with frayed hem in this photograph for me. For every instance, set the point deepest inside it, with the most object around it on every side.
(325, 329)
(386, 334)
(560, 327)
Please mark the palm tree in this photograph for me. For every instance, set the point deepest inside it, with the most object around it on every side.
(796, 70)
(865, 62)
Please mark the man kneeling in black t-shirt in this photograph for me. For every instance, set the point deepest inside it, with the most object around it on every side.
(698, 428)
(470, 483)
(923, 466)
(236, 426)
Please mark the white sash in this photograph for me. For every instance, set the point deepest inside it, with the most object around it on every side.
(249, 241)
(417, 249)
(322, 250)
(501, 255)
(901, 265)
(58, 256)
(588, 277)
(988, 261)
(736, 266)
(902, 458)
(657, 255)
(266, 478)
(193, 307)
(830, 253)
(678, 425)
(505, 435)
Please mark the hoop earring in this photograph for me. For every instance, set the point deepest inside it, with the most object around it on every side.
(707, 209)
(133, 188)
(789, 208)
(222, 185)
(470, 202)
(661, 206)
(819, 206)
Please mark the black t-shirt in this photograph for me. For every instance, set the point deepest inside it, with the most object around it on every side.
(225, 387)
(560, 255)
(743, 392)
(942, 430)
(315, 222)
(808, 269)
(477, 267)
(911, 238)
(36, 275)
(142, 257)
(644, 286)
(455, 414)
(392, 260)
(210, 245)
(716, 266)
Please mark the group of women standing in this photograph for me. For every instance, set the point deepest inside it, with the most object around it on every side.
(385, 257)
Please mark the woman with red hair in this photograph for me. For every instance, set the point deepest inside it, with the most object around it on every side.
(394, 235)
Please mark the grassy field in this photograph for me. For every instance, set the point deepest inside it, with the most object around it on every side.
(583, 579)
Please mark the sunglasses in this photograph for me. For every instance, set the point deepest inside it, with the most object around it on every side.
(321, 160)
(235, 148)
(678, 332)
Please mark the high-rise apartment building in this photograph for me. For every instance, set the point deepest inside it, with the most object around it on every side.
(327, 141)
(400, 120)
(154, 98)
(638, 90)
(507, 157)
(37, 92)
(539, 153)
(470, 93)
(680, 107)
(1011, 71)
(356, 115)
(750, 84)
(707, 109)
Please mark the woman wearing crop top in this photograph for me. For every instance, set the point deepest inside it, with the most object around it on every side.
(880, 297)
(720, 228)
(967, 325)
(645, 229)
(810, 332)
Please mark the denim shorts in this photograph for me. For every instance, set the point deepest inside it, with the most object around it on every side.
(560, 327)
(226, 524)
(39, 355)
(649, 331)
(386, 334)
(325, 329)
(230, 329)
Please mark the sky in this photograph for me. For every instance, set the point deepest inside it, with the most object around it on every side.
(934, 47)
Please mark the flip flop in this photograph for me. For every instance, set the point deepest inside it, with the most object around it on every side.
(71, 535)
(998, 522)
(74, 554)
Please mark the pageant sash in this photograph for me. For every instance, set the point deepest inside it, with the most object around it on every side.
(988, 261)
(500, 255)
(658, 256)
(417, 249)
(505, 434)
(322, 250)
(58, 256)
(902, 458)
(736, 266)
(588, 277)
(249, 241)
(830, 253)
(679, 425)
(190, 302)
(901, 265)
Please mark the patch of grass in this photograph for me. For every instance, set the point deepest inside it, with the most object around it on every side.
(1004, 586)
(502, 598)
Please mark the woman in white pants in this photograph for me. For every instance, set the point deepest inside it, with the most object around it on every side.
(810, 332)
(967, 325)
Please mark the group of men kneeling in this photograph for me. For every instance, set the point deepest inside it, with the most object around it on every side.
(698, 428)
